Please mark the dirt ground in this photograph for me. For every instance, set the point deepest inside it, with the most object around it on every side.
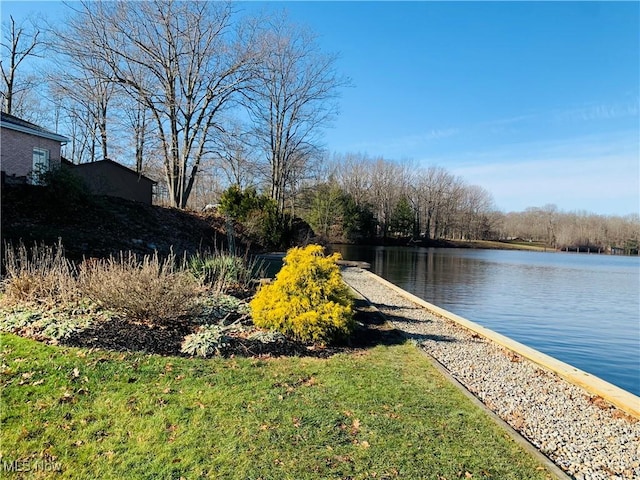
(123, 335)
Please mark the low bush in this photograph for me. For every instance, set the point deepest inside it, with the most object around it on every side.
(65, 187)
(238, 203)
(40, 273)
(53, 324)
(308, 300)
(267, 337)
(15, 321)
(261, 220)
(149, 288)
(58, 329)
(208, 341)
(220, 308)
(222, 271)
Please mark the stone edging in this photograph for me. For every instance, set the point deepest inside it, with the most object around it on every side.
(618, 397)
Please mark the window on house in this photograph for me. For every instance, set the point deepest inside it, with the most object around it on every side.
(40, 164)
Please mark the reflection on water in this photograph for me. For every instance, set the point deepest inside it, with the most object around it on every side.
(581, 309)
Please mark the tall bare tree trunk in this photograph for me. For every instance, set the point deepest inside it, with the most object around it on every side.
(18, 44)
(181, 60)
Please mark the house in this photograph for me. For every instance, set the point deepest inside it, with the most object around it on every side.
(27, 148)
(106, 177)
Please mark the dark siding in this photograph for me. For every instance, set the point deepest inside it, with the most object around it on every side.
(106, 177)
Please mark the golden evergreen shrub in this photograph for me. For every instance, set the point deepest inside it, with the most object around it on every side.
(308, 300)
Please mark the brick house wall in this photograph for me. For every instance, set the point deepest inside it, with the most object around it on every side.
(16, 154)
(19, 139)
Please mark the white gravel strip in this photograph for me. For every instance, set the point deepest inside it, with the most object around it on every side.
(583, 435)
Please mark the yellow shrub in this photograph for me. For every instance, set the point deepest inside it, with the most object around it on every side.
(308, 300)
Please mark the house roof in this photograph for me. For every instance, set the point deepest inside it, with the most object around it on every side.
(20, 125)
(108, 161)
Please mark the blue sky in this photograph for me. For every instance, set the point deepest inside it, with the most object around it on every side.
(538, 102)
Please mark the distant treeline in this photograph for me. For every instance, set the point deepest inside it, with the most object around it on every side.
(573, 230)
(359, 198)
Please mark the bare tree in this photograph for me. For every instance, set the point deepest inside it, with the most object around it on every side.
(474, 220)
(450, 200)
(574, 230)
(436, 187)
(181, 60)
(82, 147)
(293, 97)
(131, 131)
(88, 95)
(353, 173)
(386, 189)
(138, 121)
(19, 42)
(234, 158)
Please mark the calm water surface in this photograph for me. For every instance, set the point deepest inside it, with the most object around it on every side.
(581, 309)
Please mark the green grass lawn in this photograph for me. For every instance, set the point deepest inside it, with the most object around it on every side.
(378, 413)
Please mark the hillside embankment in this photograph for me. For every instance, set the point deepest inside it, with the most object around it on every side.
(98, 226)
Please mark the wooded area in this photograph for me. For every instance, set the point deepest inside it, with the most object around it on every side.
(180, 89)
(360, 198)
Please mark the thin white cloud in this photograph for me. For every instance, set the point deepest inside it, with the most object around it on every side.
(601, 174)
(598, 112)
(502, 122)
(438, 133)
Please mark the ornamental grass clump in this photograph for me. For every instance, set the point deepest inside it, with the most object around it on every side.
(150, 288)
(39, 274)
(223, 271)
(308, 300)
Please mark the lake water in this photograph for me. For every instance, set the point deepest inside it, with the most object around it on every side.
(581, 309)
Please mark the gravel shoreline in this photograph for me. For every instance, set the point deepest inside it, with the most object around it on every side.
(584, 436)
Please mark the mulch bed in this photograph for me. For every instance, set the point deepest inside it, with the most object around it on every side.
(124, 335)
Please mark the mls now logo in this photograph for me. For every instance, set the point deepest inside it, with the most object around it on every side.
(30, 466)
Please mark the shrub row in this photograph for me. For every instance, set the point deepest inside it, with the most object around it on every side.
(146, 288)
(308, 301)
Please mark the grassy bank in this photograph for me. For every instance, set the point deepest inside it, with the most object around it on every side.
(505, 245)
(483, 244)
(378, 413)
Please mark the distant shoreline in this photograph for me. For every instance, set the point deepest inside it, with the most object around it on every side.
(480, 244)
